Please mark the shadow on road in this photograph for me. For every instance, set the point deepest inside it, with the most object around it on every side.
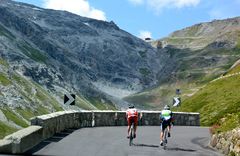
(180, 149)
(168, 148)
(146, 145)
(56, 138)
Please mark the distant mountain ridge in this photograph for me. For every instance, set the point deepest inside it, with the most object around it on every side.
(204, 34)
(195, 56)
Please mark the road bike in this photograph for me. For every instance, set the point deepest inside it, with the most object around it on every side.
(131, 134)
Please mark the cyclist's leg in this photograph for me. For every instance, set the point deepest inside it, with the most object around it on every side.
(161, 135)
(169, 127)
(129, 126)
(163, 127)
(135, 120)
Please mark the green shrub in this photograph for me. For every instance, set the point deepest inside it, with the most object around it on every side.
(6, 130)
(14, 118)
(5, 32)
(4, 62)
(143, 54)
(32, 53)
(4, 80)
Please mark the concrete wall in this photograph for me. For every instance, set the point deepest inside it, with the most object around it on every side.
(48, 125)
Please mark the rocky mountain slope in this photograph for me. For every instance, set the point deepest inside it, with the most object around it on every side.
(57, 49)
(196, 55)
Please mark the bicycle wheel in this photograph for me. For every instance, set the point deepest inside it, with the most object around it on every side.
(165, 139)
(131, 136)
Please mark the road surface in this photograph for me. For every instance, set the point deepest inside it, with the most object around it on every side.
(112, 141)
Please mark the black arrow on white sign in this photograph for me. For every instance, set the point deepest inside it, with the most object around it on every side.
(176, 101)
(69, 99)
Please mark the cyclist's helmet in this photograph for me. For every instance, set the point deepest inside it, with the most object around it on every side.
(166, 107)
(130, 105)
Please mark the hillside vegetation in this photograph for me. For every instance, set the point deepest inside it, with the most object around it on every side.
(218, 102)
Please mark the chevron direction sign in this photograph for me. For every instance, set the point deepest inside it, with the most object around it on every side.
(69, 99)
(176, 101)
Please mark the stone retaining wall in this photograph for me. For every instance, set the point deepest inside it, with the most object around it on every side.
(228, 143)
(22, 140)
(48, 125)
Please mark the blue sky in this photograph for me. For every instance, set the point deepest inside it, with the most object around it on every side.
(148, 18)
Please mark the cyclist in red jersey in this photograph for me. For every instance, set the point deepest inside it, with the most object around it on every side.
(132, 116)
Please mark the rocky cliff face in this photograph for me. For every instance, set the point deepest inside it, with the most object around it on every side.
(57, 49)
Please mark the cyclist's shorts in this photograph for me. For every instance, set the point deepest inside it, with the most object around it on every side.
(133, 119)
(165, 123)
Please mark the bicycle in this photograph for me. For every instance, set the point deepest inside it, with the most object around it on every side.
(131, 135)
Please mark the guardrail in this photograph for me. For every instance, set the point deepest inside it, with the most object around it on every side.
(46, 126)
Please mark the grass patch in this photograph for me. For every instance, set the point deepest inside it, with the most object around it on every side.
(153, 99)
(6, 130)
(4, 80)
(23, 83)
(207, 78)
(4, 62)
(45, 97)
(236, 69)
(230, 122)
(193, 30)
(147, 100)
(216, 101)
(14, 118)
(41, 110)
(32, 53)
(5, 32)
(83, 103)
(143, 54)
(102, 105)
(142, 101)
(26, 113)
(238, 44)
(41, 97)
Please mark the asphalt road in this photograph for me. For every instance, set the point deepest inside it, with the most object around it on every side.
(112, 141)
